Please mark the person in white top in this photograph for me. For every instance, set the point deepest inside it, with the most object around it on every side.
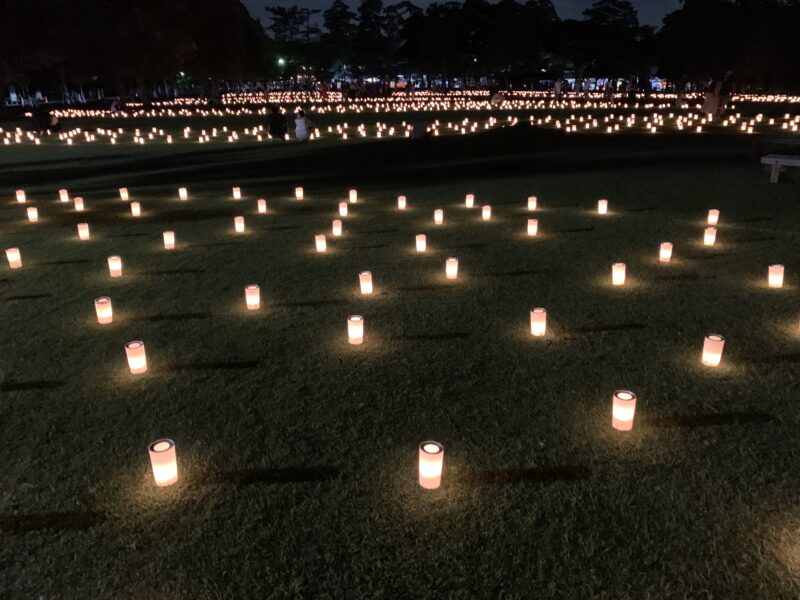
(302, 126)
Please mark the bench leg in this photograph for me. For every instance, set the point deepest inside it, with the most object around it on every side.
(774, 173)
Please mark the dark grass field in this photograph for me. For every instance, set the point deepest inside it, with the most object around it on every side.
(297, 452)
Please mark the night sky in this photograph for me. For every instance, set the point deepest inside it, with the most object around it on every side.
(650, 11)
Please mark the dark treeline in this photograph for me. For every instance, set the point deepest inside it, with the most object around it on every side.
(119, 46)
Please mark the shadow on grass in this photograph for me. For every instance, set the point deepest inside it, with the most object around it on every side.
(210, 366)
(57, 522)
(530, 475)
(710, 420)
(23, 386)
(429, 337)
(66, 262)
(27, 297)
(604, 328)
(268, 476)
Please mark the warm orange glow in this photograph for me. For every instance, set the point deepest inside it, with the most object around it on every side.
(115, 266)
(237, 193)
(431, 463)
(342, 209)
(33, 214)
(665, 252)
(365, 281)
(422, 242)
(21, 196)
(533, 202)
(102, 307)
(79, 205)
(355, 329)
(401, 202)
(169, 240)
(712, 349)
(775, 276)
(298, 193)
(602, 206)
(321, 243)
(469, 200)
(137, 360)
(438, 216)
(63, 195)
(262, 206)
(336, 227)
(353, 196)
(238, 224)
(83, 231)
(713, 216)
(451, 268)
(123, 194)
(623, 410)
(710, 236)
(252, 296)
(136, 209)
(164, 462)
(183, 194)
(618, 274)
(14, 258)
(533, 227)
(538, 322)
(486, 212)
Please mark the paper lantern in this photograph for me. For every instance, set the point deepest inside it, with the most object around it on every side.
(712, 349)
(183, 194)
(710, 236)
(115, 266)
(79, 206)
(532, 202)
(102, 306)
(602, 206)
(355, 329)
(451, 268)
(401, 202)
(623, 410)
(422, 242)
(252, 296)
(123, 194)
(486, 212)
(136, 209)
(237, 193)
(319, 240)
(33, 214)
(469, 200)
(238, 224)
(618, 274)
(164, 462)
(713, 216)
(353, 196)
(63, 195)
(262, 206)
(365, 280)
(137, 360)
(337, 227)
(431, 461)
(533, 227)
(775, 276)
(665, 252)
(14, 258)
(298, 193)
(342, 209)
(538, 322)
(83, 231)
(438, 216)
(21, 196)
(169, 240)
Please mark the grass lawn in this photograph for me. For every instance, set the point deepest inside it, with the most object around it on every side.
(298, 452)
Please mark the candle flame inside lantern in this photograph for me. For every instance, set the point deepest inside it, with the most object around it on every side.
(164, 462)
(538, 322)
(486, 212)
(320, 242)
(183, 194)
(712, 349)
(262, 206)
(238, 224)
(136, 209)
(713, 216)
(469, 200)
(79, 206)
(298, 193)
(431, 462)
(353, 196)
(63, 195)
(123, 194)
(623, 410)
(237, 193)
(33, 214)
(618, 274)
(252, 296)
(137, 360)
(665, 252)
(422, 242)
(401, 202)
(21, 196)
(451, 268)
(533, 227)
(602, 206)
(115, 266)
(83, 231)
(355, 329)
(343, 209)
(438, 216)
(775, 276)
(14, 258)
(169, 240)
(710, 236)
(337, 227)
(102, 307)
(365, 281)
(533, 202)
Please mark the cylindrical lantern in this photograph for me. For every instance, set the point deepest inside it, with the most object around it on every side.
(665, 252)
(710, 236)
(136, 209)
(712, 349)
(469, 200)
(79, 206)
(355, 329)
(102, 307)
(532, 202)
(623, 409)
(252, 296)
(353, 196)
(538, 322)
(83, 231)
(438, 216)
(21, 196)
(169, 240)
(14, 258)
(137, 360)
(183, 194)
(775, 276)
(123, 194)
(486, 212)
(262, 206)
(431, 461)
(422, 242)
(115, 266)
(342, 209)
(451, 268)
(365, 280)
(238, 224)
(33, 214)
(533, 227)
(401, 202)
(618, 274)
(319, 240)
(298, 193)
(237, 193)
(63, 195)
(337, 227)
(164, 462)
(713, 216)
(602, 206)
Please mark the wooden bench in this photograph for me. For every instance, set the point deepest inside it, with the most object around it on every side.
(778, 163)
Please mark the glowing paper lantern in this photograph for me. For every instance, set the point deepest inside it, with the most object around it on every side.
(712, 349)
(321, 243)
(710, 236)
(136, 209)
(183, 194)
(538, 322)
(102, 306)
(486, 212)
(775, 276)
(713, 216)
(342, 209)
(33, 214)
(298, 193)
(353, 196)
(262, 206)
(21, 196)
(602, 206)
(665, 252)
(252, 296)
(469, 200)
(365, 280)
(337, 227)
(238, 224)
(451, 268)
(164, 462)
(533, 227)
(115, 266)
(137, 359)
(79, 206)
(431, 461)
(83, 231)
(14, 258)
(355, 329)
(438, 216)
(532, 202)
(237, 193)
(422, 242)
(623, 410)
(123, 194)
(618, 274)
(401, 202)
(63, 195)
(169, 240)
